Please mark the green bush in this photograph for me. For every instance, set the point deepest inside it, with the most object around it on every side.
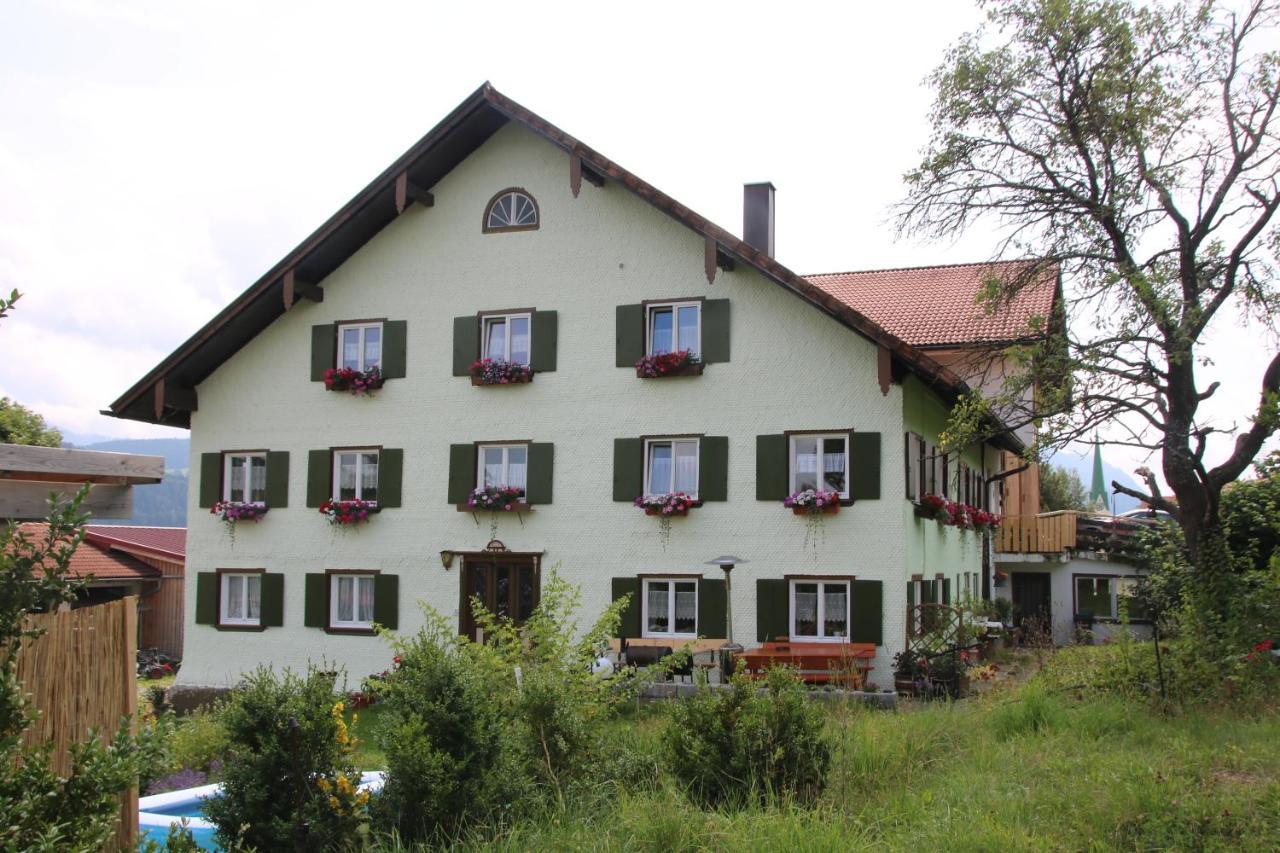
(746, 744)
(448, 762)
(288, 782)
(199, 740)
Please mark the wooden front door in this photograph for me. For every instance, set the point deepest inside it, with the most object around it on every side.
(1031, 599)
(507, 585)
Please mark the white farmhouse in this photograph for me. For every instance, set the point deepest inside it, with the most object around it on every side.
(500, 236)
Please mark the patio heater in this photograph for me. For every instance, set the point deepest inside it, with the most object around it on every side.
(730, 648)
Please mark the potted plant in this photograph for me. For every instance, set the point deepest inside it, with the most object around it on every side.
(347, 513)
(489, 371)
(934, 507)
(678, 363)
(910, 672)
(665, 507)
(496, 498)
(813, 502)
(358, 382)
(983, 520)
(233, 512)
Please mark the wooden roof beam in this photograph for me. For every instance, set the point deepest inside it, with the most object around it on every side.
(407, 192)
(295, 288)
(72, 465)
(713, 257)
(169, 396)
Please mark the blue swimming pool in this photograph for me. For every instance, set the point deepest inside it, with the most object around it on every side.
(158, 812)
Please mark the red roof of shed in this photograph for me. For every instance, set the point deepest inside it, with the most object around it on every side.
(163, 541)
(939, 306)
(94, 559)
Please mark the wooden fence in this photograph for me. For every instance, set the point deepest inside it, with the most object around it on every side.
(1047, 533)
(80, 674)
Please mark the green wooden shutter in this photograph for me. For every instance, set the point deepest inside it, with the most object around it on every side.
(315, 612)
(324, 348)
(867, 612)
(210, 479)
(395, 349)
(543, 329)
(630, 335)
(911, 593)
(946, 591)
(713, 468)
(772, 468)
(319, 476)
(773, 609)
(271, 606)
(386, 601)
(539, 477)
(864, 466)
(206, 598)
(390, 476)
(715, 330)
(462, 472)
(628, 468)
(466, 343)
(277, 479)
(712, 608)
(630, 624)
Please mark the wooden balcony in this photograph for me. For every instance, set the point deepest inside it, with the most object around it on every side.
(1047, 533)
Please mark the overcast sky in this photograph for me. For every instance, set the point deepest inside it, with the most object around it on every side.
(157, 157)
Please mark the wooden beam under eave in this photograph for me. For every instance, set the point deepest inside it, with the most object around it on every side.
(407, 191)
(575, 174)
(710, 250)
(884, 368)
(293, 287)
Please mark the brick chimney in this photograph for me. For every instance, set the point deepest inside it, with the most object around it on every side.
(757, 216)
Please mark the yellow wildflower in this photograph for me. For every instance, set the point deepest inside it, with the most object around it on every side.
(323, 784)
(362, 798)
(345, 788)
(333, 804)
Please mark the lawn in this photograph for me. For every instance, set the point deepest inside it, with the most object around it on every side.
(1018, 769)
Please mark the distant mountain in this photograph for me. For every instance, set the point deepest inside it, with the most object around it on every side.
(162, 504)
(1083, 465)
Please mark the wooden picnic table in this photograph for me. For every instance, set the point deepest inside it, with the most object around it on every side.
(819, 663)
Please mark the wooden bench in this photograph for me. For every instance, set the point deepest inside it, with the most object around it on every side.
(846, 664)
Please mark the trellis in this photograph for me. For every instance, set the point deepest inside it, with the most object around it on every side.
(936, 630)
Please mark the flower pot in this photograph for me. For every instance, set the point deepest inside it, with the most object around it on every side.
(478, 382)
(829, 509)
(694, 369)
(649, 510)
(906, 686)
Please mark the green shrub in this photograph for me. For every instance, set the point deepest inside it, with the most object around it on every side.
(448, 762)
(199, 740)
(742, 744)
(288, 781)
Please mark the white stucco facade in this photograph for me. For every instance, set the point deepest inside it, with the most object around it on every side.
(791, 368)
(1063, 573)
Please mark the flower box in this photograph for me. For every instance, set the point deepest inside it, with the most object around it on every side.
(232, 512)
(504, 498)
(358, 382)
(347, 513)
(665, 506)
(488, 371)
(679, 363)
(829, 509)
(812, 502)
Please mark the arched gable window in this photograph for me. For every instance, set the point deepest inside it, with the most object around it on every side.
(513, 209)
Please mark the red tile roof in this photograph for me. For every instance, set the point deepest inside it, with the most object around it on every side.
(938, 306)
(163, 541)
(93, 559)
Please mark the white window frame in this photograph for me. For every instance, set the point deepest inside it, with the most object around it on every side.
(226, 474)
(224, 589)
(649, 443)
(361, 327)
(1113, 582)
(675, 324)
(488, 319)
(506, 462)
(822, 609)
(821, 437)
(671, 607)
(337, 472)
(354, 624)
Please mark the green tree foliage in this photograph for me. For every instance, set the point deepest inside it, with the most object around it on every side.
(1133, 147)
(1060, 488)
(1251, 515)
(289, 782)
(39, 808)
(20, 425)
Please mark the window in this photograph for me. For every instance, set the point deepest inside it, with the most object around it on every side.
(241, 602)
(244, 477)
(674, 327)
(360, 346)
(671, 465)
(506, 338)
(670, 607)
(351, 601)
(820, 462)
(1103, 596)
(819, 610)
(503, 465)
(355, 475)
(511, 210)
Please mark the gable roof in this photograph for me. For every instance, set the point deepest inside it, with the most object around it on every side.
(164, 542)
(940, 306)
(373, 208)
(91, 558)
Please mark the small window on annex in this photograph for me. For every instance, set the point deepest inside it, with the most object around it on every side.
(512, 209)
(1103, 597)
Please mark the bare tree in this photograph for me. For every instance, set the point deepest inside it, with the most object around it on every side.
(1135, 147)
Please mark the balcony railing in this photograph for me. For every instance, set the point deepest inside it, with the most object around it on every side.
(1067, 530)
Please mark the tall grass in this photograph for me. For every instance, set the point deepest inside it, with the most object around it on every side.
(1026, 768)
